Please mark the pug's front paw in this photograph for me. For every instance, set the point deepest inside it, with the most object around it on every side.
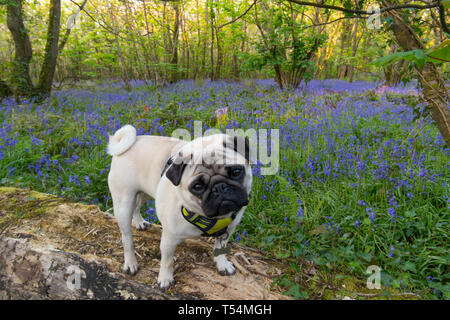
(165, 283)
(225, 267)
(130, 267)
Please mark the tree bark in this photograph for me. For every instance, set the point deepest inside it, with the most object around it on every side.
(21, 80)
(434, 90)
(51, 49)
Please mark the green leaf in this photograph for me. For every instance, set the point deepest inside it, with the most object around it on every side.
(417, 56)
(365, 256)
(295, 292)
(408, 266)
(440, 53)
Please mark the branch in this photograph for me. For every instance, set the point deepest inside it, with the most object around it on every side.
(105, 26)
(333, 21)
(236, 19)
(68, 30)
(362, 12)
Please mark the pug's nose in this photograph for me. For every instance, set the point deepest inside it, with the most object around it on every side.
(219, 188)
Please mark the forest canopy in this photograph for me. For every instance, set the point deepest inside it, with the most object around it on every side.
(216, 39)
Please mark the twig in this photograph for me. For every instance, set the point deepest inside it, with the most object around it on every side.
(93, 229)
(237, 18)
(380, 294)
(239, 266)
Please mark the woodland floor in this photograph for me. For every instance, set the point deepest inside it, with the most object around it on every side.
(41, 235)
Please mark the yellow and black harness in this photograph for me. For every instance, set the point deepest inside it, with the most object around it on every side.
(209, 227)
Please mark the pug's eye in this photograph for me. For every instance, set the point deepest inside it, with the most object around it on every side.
(236, 172)
(197, 187)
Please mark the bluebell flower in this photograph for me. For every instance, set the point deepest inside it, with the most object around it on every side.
(87, 180)
(371, 214)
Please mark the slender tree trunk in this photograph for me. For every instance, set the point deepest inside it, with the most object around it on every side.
(123, 67)
(151, 55)
(219, 57)
(354, 49)
(51, 49)
(174, 49)
(186, 53)
(197, 54)
(21, 80)
(343, 70)
(211, 16)
(205, 36)
(140, 70)
(434, 90)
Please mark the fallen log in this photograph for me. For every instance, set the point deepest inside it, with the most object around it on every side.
(52, 249)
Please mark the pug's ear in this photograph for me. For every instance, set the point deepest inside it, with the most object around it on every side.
(175, 172)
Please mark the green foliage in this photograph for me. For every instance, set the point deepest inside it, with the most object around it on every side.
(440, 53)
(284, 46)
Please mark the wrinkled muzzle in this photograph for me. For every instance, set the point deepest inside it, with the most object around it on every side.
(224, 199)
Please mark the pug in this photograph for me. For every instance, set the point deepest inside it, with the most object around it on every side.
(200, 187)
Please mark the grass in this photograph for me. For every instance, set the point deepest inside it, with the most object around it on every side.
(363, 179)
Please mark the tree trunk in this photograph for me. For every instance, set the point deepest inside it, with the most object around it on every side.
(205, 36)
(139, 66)
(21, 80)
(344, 68)
(174, 48)
(51, 49)
(150, 51)
(354, 50)
(211, 16)
(124, 71)
(434, 90)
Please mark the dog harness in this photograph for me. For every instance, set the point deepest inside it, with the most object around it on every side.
(209, 227)
(166, 166)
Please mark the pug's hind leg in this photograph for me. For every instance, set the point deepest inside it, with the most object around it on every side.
(225, 267)
(123, 210)
(168, 245)
(138, 221)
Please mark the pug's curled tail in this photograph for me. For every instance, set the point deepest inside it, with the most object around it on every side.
(122, 140)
